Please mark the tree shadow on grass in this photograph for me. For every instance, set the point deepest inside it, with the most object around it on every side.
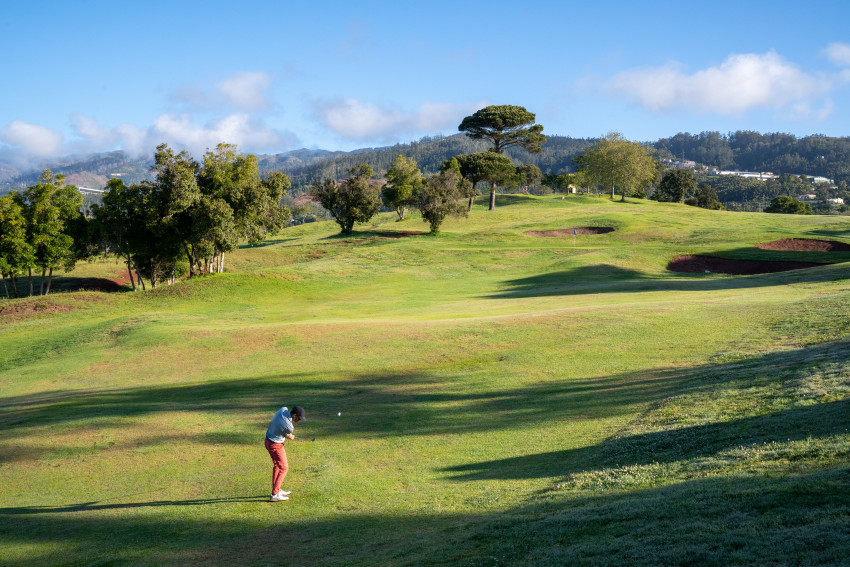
(60, 284)
(97, 505)
(816, 421)
(407, 404)
(265, 243)
(606, 278)
(827, 233)
(797, 515)
(795, 519)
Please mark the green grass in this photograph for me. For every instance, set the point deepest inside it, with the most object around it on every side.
(504, 399)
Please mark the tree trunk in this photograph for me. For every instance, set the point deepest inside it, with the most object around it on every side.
(6, 289)
(221, 263)
(14, 280)
(471, 199)
(41, 282)
(140, 280)
(493, 198)
(191, 260)
(49, 281)
(173, 268)
(30, 276)
(130, 273)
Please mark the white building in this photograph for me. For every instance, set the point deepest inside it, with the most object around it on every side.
(751, 174)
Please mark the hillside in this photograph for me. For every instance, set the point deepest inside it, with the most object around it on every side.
(484, 397)
(746, 151)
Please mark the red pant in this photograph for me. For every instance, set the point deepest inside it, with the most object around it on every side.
(281, 466)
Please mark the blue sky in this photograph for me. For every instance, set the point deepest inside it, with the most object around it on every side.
(92, 75)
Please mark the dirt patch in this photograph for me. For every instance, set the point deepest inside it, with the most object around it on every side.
(703, 264)
(18, 310)
(584, 230)
(805, 245)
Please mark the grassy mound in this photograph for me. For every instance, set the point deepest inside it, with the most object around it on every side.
(477, 398)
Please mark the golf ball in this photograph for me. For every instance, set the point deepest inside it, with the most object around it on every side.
(339, 413)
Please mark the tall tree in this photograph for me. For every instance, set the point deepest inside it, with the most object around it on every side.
(115, 216)
(616, 162)
(505, 126)
(403, 178)
(490, 167)
(50, 207)
(467, 187)
(528, 174)
(675, 186)
(268, 215)
(16, 252)
(354, 200)
(705, 197)
(225, 180)
(167, 209)
(441, 196)
(789, 206)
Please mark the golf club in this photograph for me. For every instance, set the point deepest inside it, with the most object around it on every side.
(304, 438)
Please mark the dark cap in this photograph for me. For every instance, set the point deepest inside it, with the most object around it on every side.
(299, 411)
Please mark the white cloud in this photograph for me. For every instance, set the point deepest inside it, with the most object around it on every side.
(244, 130)
(741, 83)
(838, 53)
(32, 139)
(247, 90)
(356, 120)
(244, 91)
(28, 143)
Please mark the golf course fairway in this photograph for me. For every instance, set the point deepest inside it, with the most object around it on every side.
(481, 397)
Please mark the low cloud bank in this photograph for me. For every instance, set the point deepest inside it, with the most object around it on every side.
(24, 145)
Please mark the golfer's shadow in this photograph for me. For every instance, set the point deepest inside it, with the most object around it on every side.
(95, 505)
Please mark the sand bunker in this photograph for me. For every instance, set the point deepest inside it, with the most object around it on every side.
(570, 231)
(703, 264)
(805, 245)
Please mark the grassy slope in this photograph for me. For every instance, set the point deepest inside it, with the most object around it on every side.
(504, 398)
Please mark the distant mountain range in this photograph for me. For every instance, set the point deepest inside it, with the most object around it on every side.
(95, 170)
(743, 150)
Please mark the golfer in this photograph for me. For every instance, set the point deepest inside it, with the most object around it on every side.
(280, 429)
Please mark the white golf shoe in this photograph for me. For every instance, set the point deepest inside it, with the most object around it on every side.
(278, 497)
(284, 492)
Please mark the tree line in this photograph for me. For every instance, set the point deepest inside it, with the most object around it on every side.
(746, 150)
(358, 198)
(191, 214)
(186, 219)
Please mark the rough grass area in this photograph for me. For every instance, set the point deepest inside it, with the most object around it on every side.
(479, 398)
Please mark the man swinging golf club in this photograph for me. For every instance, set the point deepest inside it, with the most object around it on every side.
(280, 429)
